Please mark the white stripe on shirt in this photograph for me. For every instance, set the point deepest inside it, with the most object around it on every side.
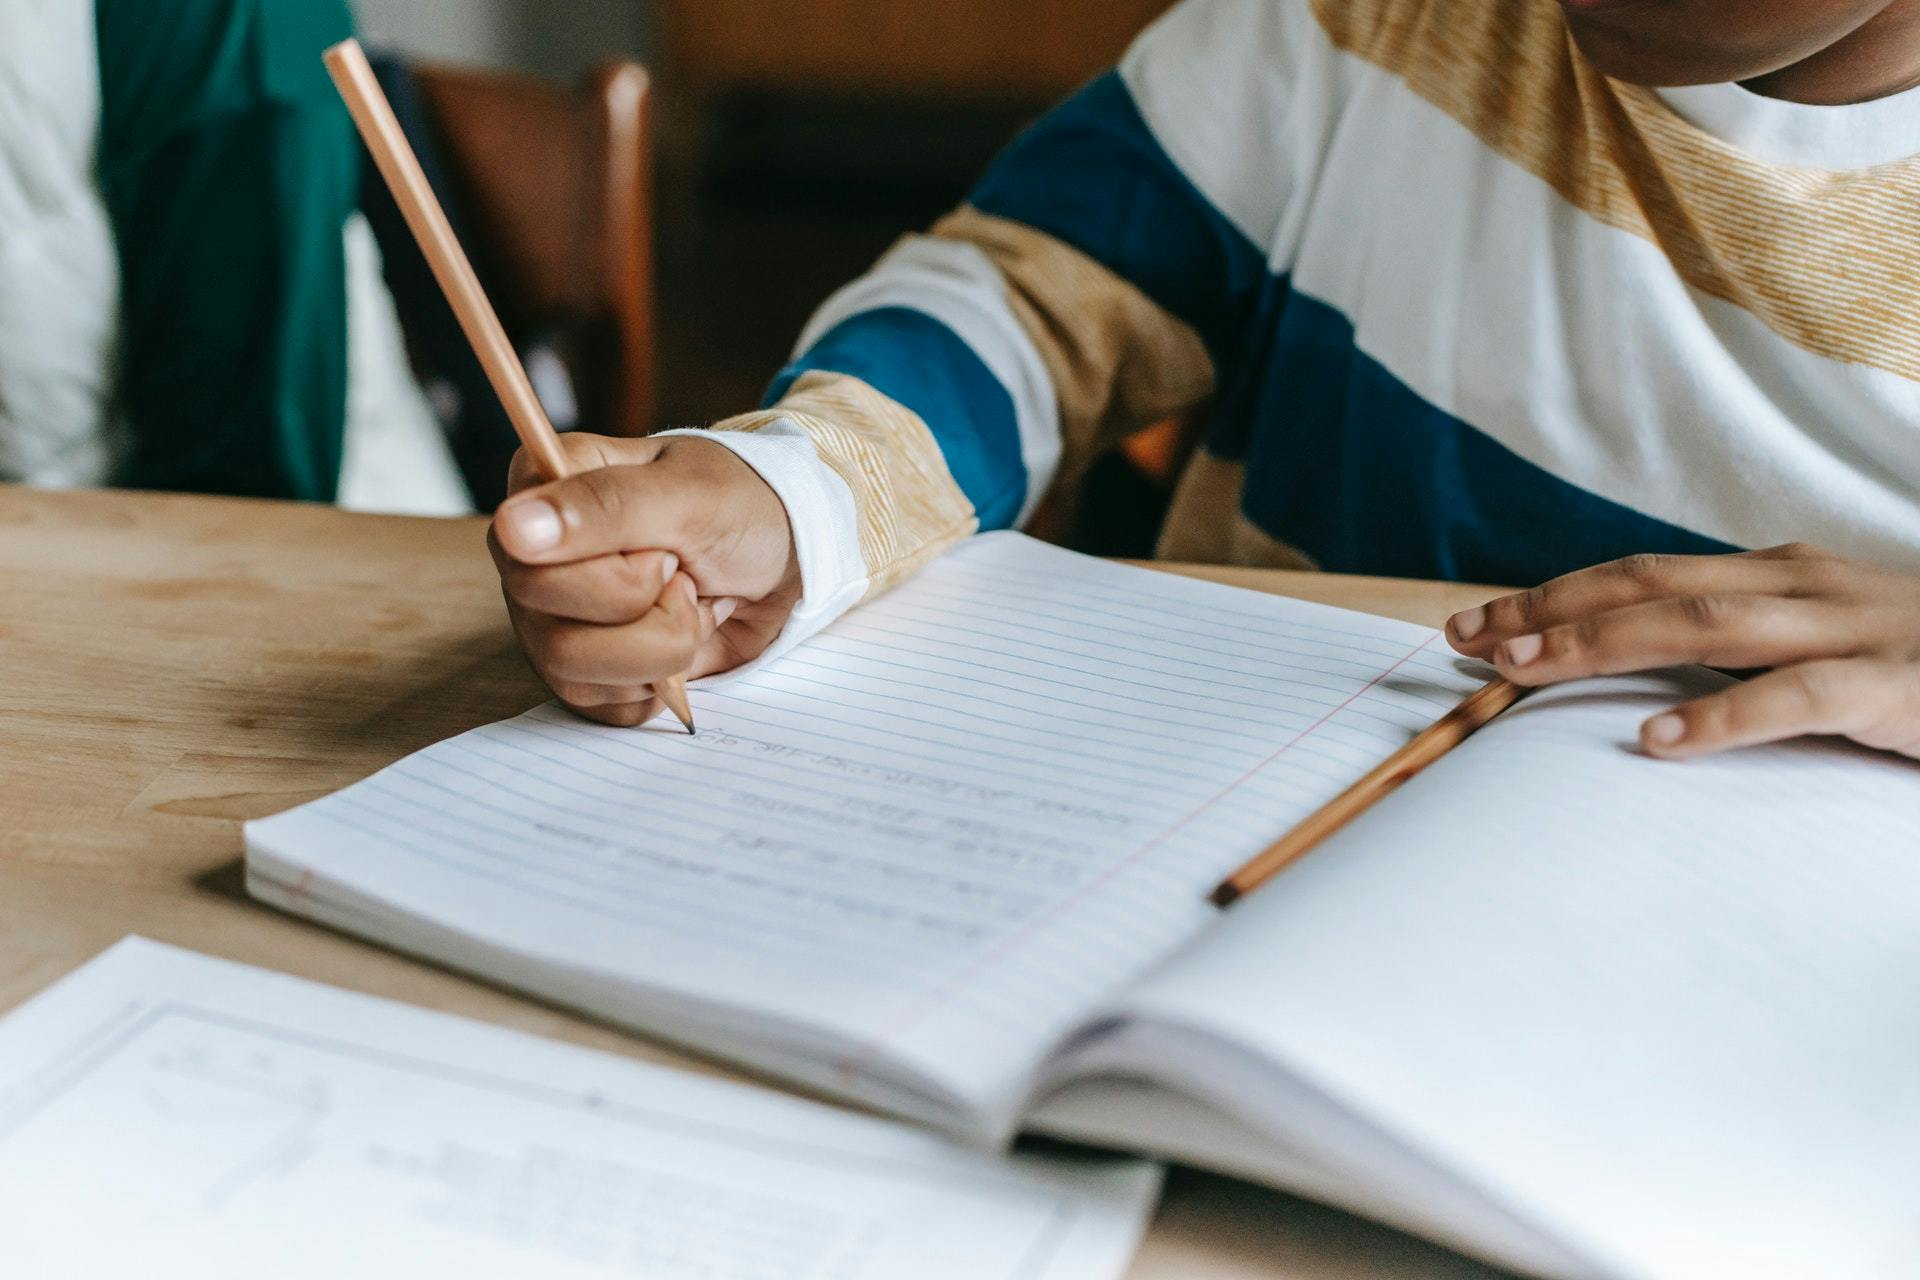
(959, 286)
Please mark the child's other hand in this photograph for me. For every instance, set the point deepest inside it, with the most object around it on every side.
(655, 558)
(1842, 639)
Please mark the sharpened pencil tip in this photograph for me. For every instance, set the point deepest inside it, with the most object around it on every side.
(673, 693)
(1224, 896)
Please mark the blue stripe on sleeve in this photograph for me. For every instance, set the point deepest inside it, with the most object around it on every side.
(1092, 174)
(913, 359)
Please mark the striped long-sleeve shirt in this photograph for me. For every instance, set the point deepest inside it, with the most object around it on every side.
(1450, 302)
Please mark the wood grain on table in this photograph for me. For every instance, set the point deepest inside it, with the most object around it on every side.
(172, 666)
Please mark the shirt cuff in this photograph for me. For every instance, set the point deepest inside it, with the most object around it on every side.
(826, 539)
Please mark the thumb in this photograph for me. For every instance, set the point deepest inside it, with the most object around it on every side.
(629, 507)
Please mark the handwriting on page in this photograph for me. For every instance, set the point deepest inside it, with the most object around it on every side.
(995, 793)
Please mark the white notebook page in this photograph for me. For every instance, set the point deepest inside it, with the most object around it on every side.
(941, 831)
(1668, 1012)
(167, 1114)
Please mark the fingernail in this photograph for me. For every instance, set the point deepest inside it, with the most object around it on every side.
(532, 525)
(1520, 650)
(687, 591)
(1664, 731)
(724, 610)
(1470, 623)
(669, 565)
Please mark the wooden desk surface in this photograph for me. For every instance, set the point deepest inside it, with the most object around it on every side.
(172, 666)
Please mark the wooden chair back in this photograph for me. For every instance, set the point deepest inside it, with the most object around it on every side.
(555, 185)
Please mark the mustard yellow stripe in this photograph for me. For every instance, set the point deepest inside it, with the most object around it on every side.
(1827, 260)
(908, 505)
(1119, 361)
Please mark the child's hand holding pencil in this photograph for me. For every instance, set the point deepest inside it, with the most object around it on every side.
(654, 558)
(625, 571)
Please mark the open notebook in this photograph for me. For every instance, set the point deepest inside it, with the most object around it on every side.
(1568, 1008)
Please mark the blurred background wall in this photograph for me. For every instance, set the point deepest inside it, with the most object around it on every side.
(550, 37)
(794, 140)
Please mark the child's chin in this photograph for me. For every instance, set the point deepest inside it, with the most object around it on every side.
(1646, 43)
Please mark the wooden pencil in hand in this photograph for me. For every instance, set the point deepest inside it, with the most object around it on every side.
(393, 154)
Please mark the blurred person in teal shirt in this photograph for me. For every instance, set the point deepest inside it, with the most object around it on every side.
(189, 297)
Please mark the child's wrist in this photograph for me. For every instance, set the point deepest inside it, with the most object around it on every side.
(821, 520)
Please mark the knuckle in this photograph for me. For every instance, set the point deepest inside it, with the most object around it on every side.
(587, 452)
(623, 715)
(1518, 611)
(1585, 636)
(1710, 613)
(638, 577)
(1818, 687)
(1646, 568)
(567, 655)
(572, 692)
(604, 491)
(1747, 712)
(1714, 717)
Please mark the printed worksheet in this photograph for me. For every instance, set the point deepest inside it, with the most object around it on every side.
(166, 1114)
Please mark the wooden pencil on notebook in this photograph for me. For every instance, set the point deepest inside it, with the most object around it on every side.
(1442, 736)
(380, 128)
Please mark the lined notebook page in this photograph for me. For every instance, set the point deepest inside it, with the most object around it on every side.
(1669, 1012)
(938, 833)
